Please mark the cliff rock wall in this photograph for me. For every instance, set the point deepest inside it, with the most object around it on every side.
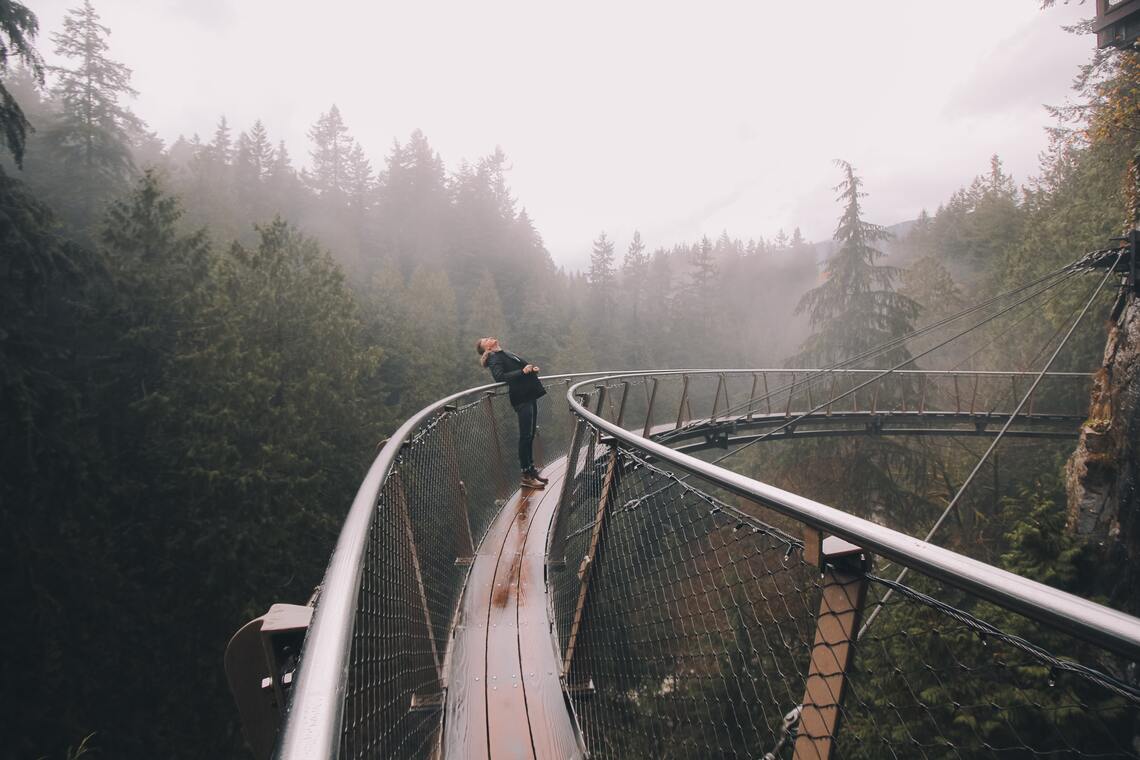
(1105, 468)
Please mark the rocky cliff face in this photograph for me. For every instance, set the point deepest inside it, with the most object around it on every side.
(1105, 468)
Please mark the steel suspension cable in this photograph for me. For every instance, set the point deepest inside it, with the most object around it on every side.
(1008, 330)
(811, 378)
(997, 439)
(881, 375)
(1085, 262)
(889, 371)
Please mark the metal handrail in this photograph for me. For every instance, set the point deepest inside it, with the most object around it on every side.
(1092, 622)
(313, 724)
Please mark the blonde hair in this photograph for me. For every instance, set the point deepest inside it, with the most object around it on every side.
(484, 354)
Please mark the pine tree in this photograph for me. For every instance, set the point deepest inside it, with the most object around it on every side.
(260, 149)
(94, 124)
(90, 140)
(332, 146)
(283, 187)
(414, 211)
(18, 30)
(601, 277)
(633, 271)
(856, 307)
(359, 181)
(577, 352)
(433, 332)
(704, 268)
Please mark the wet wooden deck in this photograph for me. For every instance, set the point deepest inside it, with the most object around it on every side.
(504, 696)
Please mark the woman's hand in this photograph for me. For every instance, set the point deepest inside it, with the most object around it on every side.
(530, 369)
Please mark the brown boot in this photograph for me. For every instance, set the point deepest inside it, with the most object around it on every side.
(528, 481)
(533, 472)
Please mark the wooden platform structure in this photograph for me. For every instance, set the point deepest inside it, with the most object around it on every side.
(504, 696)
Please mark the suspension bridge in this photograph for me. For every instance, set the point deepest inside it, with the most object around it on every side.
(650, 602)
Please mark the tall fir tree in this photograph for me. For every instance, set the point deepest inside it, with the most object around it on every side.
(602, 277)
(332, 146)
(86, 151)
(856, 307)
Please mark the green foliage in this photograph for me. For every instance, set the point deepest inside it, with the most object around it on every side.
(18, 30)
(189, 399)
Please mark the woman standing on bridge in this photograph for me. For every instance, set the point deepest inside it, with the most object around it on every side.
(525, 390)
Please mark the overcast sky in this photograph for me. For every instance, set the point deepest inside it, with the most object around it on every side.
(678, 119)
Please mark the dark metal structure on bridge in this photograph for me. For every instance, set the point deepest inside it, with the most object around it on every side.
(1117, 22)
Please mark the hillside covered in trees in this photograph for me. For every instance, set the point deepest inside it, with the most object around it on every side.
(202, 343)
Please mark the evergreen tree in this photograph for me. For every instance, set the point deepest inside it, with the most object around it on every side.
(602, 277)
(332, 146)
(432, 329)
(414, 212)
(701, 301)
(282, 185)
(89, 140)
(259, 149)
(94, 125)
(856, 307)
(704, 269)
(633, 271)
(577, 351)
(18, 30)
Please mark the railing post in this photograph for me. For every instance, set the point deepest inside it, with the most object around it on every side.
(684, 400)
(844, 590)
(501, 470)
(791, 392)
(716, 399)
(621, 404)
(831, 395)
(464, 543)
(598, 411)
(649, 411)
(592, 557)
(767, 395)
(922, 395)
(957, 397)
(752, 395)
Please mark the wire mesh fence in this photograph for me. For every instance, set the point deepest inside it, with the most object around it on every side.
(447, 484)
(688, 622)
(685, 625)
(692, 624)
(941, 674)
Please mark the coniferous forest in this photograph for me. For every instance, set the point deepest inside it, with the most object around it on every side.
(203, 341)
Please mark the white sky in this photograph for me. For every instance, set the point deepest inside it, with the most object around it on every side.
(678, 119)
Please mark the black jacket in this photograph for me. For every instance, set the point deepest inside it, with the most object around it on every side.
(508, 368)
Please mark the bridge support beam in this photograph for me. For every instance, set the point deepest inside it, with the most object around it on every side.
(649, 410)
(586, 569)
(844, 588)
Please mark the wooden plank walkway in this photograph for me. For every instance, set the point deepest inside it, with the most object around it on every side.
(504, 696)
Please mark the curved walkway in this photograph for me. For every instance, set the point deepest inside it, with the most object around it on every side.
(504, 696)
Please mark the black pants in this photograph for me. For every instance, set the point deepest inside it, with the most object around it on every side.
(528, 426)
